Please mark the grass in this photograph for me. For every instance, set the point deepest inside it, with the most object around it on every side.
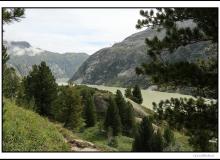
(26, 131)
(94, 135)
(183, 142)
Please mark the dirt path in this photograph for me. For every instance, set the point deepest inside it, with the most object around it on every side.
(78, 145)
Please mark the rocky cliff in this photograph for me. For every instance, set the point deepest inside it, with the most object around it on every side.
(115, 66)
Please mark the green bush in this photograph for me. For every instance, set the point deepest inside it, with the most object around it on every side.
(113, 142)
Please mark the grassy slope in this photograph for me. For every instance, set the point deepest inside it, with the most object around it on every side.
(24, 130)
(94, 135)
(183, 142)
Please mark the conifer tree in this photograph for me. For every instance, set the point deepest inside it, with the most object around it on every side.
(10, 15)
(60, 108)
(157, 142)
(201, 75)
(130, 120)
(73, 109)
(5, 58)
(112, 118)
(122, 107)
(191, 74)
(136, 95)
(128, 93)
(181, 113)
(143, 138)
(41, 85)
(10, 79)
(10, 83)
(89, 111)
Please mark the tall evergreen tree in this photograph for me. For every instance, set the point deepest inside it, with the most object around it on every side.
(41, 85)
(10, 83)
(130, 120)
(137, 96)
(122, 107)
(197, 117)
(204, 77)
(73, 109)
(10, 79)
(128, 93)
(89, 111)
(112, 118)
(60, 108)
(157, 142)
(201, 75)
(143, 139)
(10, 15)
(5, 57)
(175, 37)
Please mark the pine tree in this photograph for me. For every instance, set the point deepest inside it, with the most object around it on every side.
(157, 142)
(112, 118)
(5, 58)
(128, 93)
(168, 137)
(72, 109)
(60, 108)
(10, 83)
(205, 18)
(89, 111)
(122, 107)
(201, 75)
(10, 79)
(137, 96)
(130, 120)
(41, 85)
(191, 74)
(10, 15)
(143, 139)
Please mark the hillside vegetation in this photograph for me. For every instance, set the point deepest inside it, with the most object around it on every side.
(40, 115)
(24, 130)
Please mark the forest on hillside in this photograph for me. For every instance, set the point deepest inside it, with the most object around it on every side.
(119, 121)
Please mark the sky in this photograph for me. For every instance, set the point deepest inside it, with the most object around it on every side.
(73, 30)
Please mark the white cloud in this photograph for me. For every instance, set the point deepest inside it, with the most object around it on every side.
(73, 30)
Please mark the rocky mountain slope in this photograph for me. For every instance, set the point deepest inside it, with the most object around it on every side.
(115, 66)
(23, 56)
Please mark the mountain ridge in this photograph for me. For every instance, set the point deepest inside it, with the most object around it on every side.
(23, 56)
(115, 66)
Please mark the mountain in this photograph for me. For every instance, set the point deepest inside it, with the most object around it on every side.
(23, 56)
(115, 66)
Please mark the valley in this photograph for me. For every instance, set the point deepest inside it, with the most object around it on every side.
(155, 90)
(23, 56)
(148, 96)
